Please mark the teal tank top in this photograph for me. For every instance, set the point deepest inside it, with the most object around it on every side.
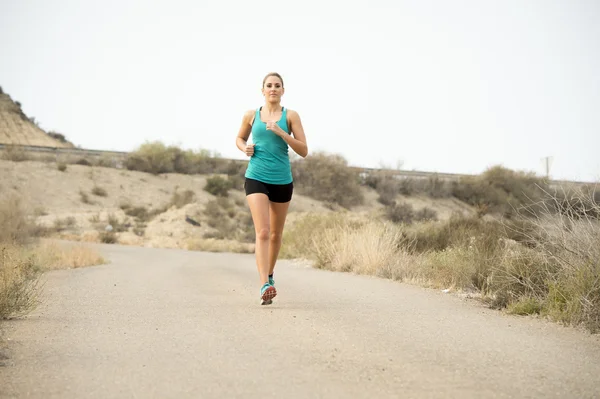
(270, 162)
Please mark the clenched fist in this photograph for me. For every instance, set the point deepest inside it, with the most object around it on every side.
(249, 150)
(274, 127)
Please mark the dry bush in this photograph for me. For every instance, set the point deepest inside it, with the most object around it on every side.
(567, 249)
(180, 200)
(17, 227)
(227, 222)
(117, 225)
(389, 184)
(426, 214)
(108, 237)
(61, 166)
(500, 190)
(218, 185)
(385, 184)
(84, 197)
(327, 177)
(19, 282)
(59, 136)
(99, 191)
(139, 212)
(400, 212)
(82, 161)
(18, 273)
(155, 157)
(456, 231)
(61, 224)
(15, 154)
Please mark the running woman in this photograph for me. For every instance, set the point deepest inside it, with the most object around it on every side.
(269, 182)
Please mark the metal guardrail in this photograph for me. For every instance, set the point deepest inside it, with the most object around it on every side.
(63, 150)
(362, 170)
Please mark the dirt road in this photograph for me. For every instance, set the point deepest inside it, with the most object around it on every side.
(158, 323)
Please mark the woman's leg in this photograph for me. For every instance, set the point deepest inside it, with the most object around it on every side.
(259, 208)
(277, 212)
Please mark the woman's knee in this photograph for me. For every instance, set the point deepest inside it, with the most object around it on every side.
(263, 233)
(275, 236)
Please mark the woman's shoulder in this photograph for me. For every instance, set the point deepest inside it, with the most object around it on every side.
(291, 113)
(249, 115)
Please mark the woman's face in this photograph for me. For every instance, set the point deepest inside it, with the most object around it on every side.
(272, 89)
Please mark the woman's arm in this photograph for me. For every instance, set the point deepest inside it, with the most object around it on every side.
(298, 142)
(241, 140)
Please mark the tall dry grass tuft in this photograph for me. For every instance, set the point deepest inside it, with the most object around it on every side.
(19, 282)
(368, 250)
(18, 274)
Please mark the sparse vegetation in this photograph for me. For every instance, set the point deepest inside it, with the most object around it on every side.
(22, 259)
(327, 177)
(227, 222)
(117, 225)
(180, 200)
(500, 190)
(15, 154)
(61, 166)
(217, 185)
(61, 224)
(527, 249)
(84, 197)
(99, 191)
(108, 237)
(547, 263)
(156, 158)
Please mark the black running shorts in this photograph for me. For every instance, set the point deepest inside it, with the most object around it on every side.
(275, 192)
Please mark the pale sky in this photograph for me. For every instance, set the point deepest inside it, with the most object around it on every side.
(448, 86)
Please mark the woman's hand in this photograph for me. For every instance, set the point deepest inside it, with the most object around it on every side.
(249, 150)
(274, 127)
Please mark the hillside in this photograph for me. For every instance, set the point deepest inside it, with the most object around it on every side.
(17, 129)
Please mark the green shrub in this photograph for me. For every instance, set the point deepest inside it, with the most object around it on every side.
(217, 185)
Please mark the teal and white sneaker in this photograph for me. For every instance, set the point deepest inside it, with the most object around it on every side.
(271, 281)
(267, 293)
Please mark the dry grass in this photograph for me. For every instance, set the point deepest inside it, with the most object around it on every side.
(19, 281)
(16, 224)
(14, 153)
(52, 256)
(544, 263)
(22, 258)
(218, 245)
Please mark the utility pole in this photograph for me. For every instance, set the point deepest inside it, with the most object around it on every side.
(547, 161)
